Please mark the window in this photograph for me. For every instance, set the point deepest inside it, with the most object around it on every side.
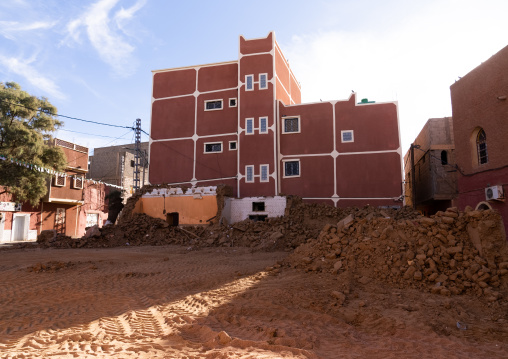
(249, 174)
(292, 168)
(59, 180)
(232, 145)
(264, 173)
(263, 125)
(249, 126)
(291, 125)
(212, 147)
(77, 182)
(232, 102)
(212, 105)
(444, 157)
(347, 136)
(262, 81)
(481, 147)
(249, 82)
(258, 206)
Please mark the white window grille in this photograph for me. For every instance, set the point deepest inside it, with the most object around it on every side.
(249, 82)
(59, 180)
(249, 126)
(347, 136)
(264, 173)
(77, 182)
(249, 174)
(263, 125)
(262, 81)
(291, 125)
(292, 168)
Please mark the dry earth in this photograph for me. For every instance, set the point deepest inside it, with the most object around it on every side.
(181, 302)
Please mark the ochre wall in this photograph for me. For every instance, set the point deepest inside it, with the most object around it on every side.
(190, 210)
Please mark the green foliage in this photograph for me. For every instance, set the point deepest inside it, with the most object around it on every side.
(26, 124)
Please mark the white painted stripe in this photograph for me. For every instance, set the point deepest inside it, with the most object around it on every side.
(192, 94)
(205, 180)
(196, 66)
(354, 198)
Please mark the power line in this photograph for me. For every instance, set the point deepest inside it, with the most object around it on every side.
(70, 117)
(90, 134)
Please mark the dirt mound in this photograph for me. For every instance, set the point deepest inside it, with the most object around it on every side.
(433, 254)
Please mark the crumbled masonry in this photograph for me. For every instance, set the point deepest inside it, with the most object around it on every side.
(450, 253)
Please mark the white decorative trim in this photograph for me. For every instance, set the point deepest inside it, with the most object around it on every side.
(55, 183)
(75, 180)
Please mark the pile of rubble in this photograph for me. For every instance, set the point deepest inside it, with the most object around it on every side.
(450, 253)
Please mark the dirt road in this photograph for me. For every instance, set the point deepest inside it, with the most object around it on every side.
(171, 302)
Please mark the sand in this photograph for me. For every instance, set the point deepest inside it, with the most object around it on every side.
(187, 302)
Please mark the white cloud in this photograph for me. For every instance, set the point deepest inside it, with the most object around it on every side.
(413, 62)
(9, 29)
(103, 30)
(25, 69)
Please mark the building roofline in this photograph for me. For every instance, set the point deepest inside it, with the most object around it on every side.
(194, 66)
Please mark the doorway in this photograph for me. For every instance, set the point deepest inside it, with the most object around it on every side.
(20, 224)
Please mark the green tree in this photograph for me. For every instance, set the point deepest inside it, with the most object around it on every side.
(26, 124)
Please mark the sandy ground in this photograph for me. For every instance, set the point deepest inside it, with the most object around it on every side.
(172, 302)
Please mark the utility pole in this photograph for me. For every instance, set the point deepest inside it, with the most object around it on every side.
(137, 131)
(413, 177)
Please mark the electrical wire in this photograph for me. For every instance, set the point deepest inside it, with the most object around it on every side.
(89, 134)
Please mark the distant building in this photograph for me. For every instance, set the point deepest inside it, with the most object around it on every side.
(435, 174)
(242, 123)
(70, 205)
(480, 127)
(115, 165)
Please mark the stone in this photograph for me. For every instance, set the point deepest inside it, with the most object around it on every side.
(417, 275)
(93, 231)
(339, 296)
(409, 272)
(276, 236)
(337, 265)
(223, 338)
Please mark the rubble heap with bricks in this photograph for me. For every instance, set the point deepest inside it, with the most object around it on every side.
(450, 253)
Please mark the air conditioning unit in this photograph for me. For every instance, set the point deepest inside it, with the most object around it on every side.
(494, 192)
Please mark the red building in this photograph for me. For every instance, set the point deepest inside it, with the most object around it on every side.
(480, 128)
(242, 123)
(70, 205)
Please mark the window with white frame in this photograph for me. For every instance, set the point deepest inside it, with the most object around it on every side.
(292, 168)
(213, 147)
(249, 126)
(212, 105)
(232, 102)
(77, 182)
(249, 82)
(347, 136)
(263, 84)
(263, 125)
(291, 125)
(232, 145)
(59, 180)
(264, 173)
(249, 174)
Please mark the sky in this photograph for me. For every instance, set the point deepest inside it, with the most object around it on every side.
(93, 59)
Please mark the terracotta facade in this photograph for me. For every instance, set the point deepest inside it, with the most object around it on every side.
(242, 123)
(479, 103)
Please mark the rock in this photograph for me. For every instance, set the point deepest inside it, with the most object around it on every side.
(418, 275)
(341, 297)
(337, 265)
(410, 272)
(93, 231)
(276, 236)
(223, 338)
(46, 236)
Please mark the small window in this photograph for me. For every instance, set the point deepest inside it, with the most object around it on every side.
(258, 217)
(347, 136)
(249, 126)
(232, 145)
(232, 102)
(444, 157)
(249, 82)
(77, 182)
(258, 206)
(264, 173)
(59, 180)
(292, 168)
(249, 174)
(132, 163)
(291, 125)
(262, 81)
(213, 105)
(213, 147)
(263, 125)
(481, 147)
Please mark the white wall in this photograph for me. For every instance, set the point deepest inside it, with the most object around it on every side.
(238, 209)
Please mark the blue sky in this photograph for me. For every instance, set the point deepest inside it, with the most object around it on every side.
(93, 59)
